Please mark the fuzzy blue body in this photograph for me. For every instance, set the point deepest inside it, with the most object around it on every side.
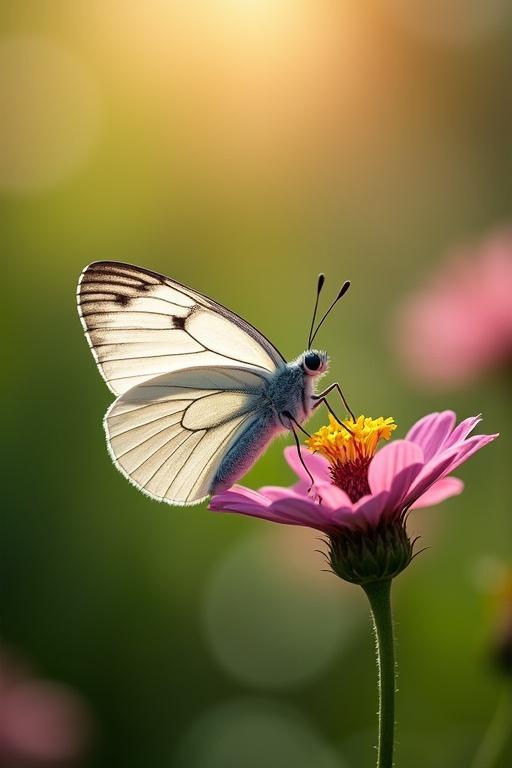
(289, 390)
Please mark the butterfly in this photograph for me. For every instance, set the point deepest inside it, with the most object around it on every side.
(200, 392)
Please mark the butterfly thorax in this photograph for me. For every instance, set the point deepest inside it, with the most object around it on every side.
(290, 390)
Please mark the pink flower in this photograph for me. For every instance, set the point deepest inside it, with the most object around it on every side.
(41, 722)
(405, 474)
(461, 324)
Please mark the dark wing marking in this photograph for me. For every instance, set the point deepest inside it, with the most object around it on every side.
(139, 324)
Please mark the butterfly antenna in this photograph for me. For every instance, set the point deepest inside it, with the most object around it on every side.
(344, 288)
(321, 280)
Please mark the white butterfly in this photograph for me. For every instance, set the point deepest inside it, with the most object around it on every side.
(201, 392)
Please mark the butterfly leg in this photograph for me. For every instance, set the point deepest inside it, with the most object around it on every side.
(291, 426)
(289, 416)
(321, 397)
(332, 412)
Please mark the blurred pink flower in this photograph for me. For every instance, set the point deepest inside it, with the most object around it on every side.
(41, 722)
(461, 324)
(405, 474)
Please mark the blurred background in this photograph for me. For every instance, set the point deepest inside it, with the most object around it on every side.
(240, 146)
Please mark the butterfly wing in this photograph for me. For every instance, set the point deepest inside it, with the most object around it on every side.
(140, 324)
(169, 435)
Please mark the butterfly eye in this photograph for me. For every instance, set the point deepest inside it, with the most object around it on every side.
(312, 361)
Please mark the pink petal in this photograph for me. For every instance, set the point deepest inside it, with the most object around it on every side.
(241, 500)
(400, 488)
(462, 431)
(241, 508)
(350, 519)
(431, 473)
(390, 461)
(317, 465)
(388, 503)
(294, 511)
(238, 494)
(449, 460)
(422, 427)
(274, 492)
(302, 486)
(333, 497)
(288, 509)
(431, 432)
(469, 447)
(370, 509)
(301, 512)
(443, 489)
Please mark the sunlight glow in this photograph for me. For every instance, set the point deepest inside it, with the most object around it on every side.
(50, 113)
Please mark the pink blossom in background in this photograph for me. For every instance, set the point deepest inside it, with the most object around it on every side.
(410, 473)
(460, 325)
(42, 723)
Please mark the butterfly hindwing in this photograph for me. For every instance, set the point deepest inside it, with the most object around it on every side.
(140, 324)
(170, 434)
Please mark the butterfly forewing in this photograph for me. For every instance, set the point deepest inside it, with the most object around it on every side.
(140, 324)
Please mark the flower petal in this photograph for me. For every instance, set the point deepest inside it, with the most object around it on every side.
(431, 432)
(390, 501)
(274, 492)
(244, 508)
(237, 494)
(468, 448)
(301, 512)
(370, 509)
(400, 488)
(390, 461)
(332, 496)
(451, 458)
(443, 489)
(317, 465)
(290, 511)
(302, 487)
(435, 470)
(346, 518)
(462, 430)
(446, 462)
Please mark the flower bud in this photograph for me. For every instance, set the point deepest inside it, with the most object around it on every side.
(371, 554)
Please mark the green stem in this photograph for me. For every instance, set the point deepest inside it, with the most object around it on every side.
(498, 735)
(379, 595)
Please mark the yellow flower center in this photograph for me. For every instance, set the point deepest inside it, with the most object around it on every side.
(359, 439)
(349, 447)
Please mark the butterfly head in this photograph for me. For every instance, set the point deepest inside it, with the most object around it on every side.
(314, 362)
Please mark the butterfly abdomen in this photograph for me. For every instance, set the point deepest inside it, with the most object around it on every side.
(287, 391)
(245, 451)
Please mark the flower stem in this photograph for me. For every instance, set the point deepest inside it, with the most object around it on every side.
(499, 733)
(379, 595)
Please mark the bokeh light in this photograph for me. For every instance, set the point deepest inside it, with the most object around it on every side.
(41, 722)
(252, 733)
(267, 623)
(49, 113)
